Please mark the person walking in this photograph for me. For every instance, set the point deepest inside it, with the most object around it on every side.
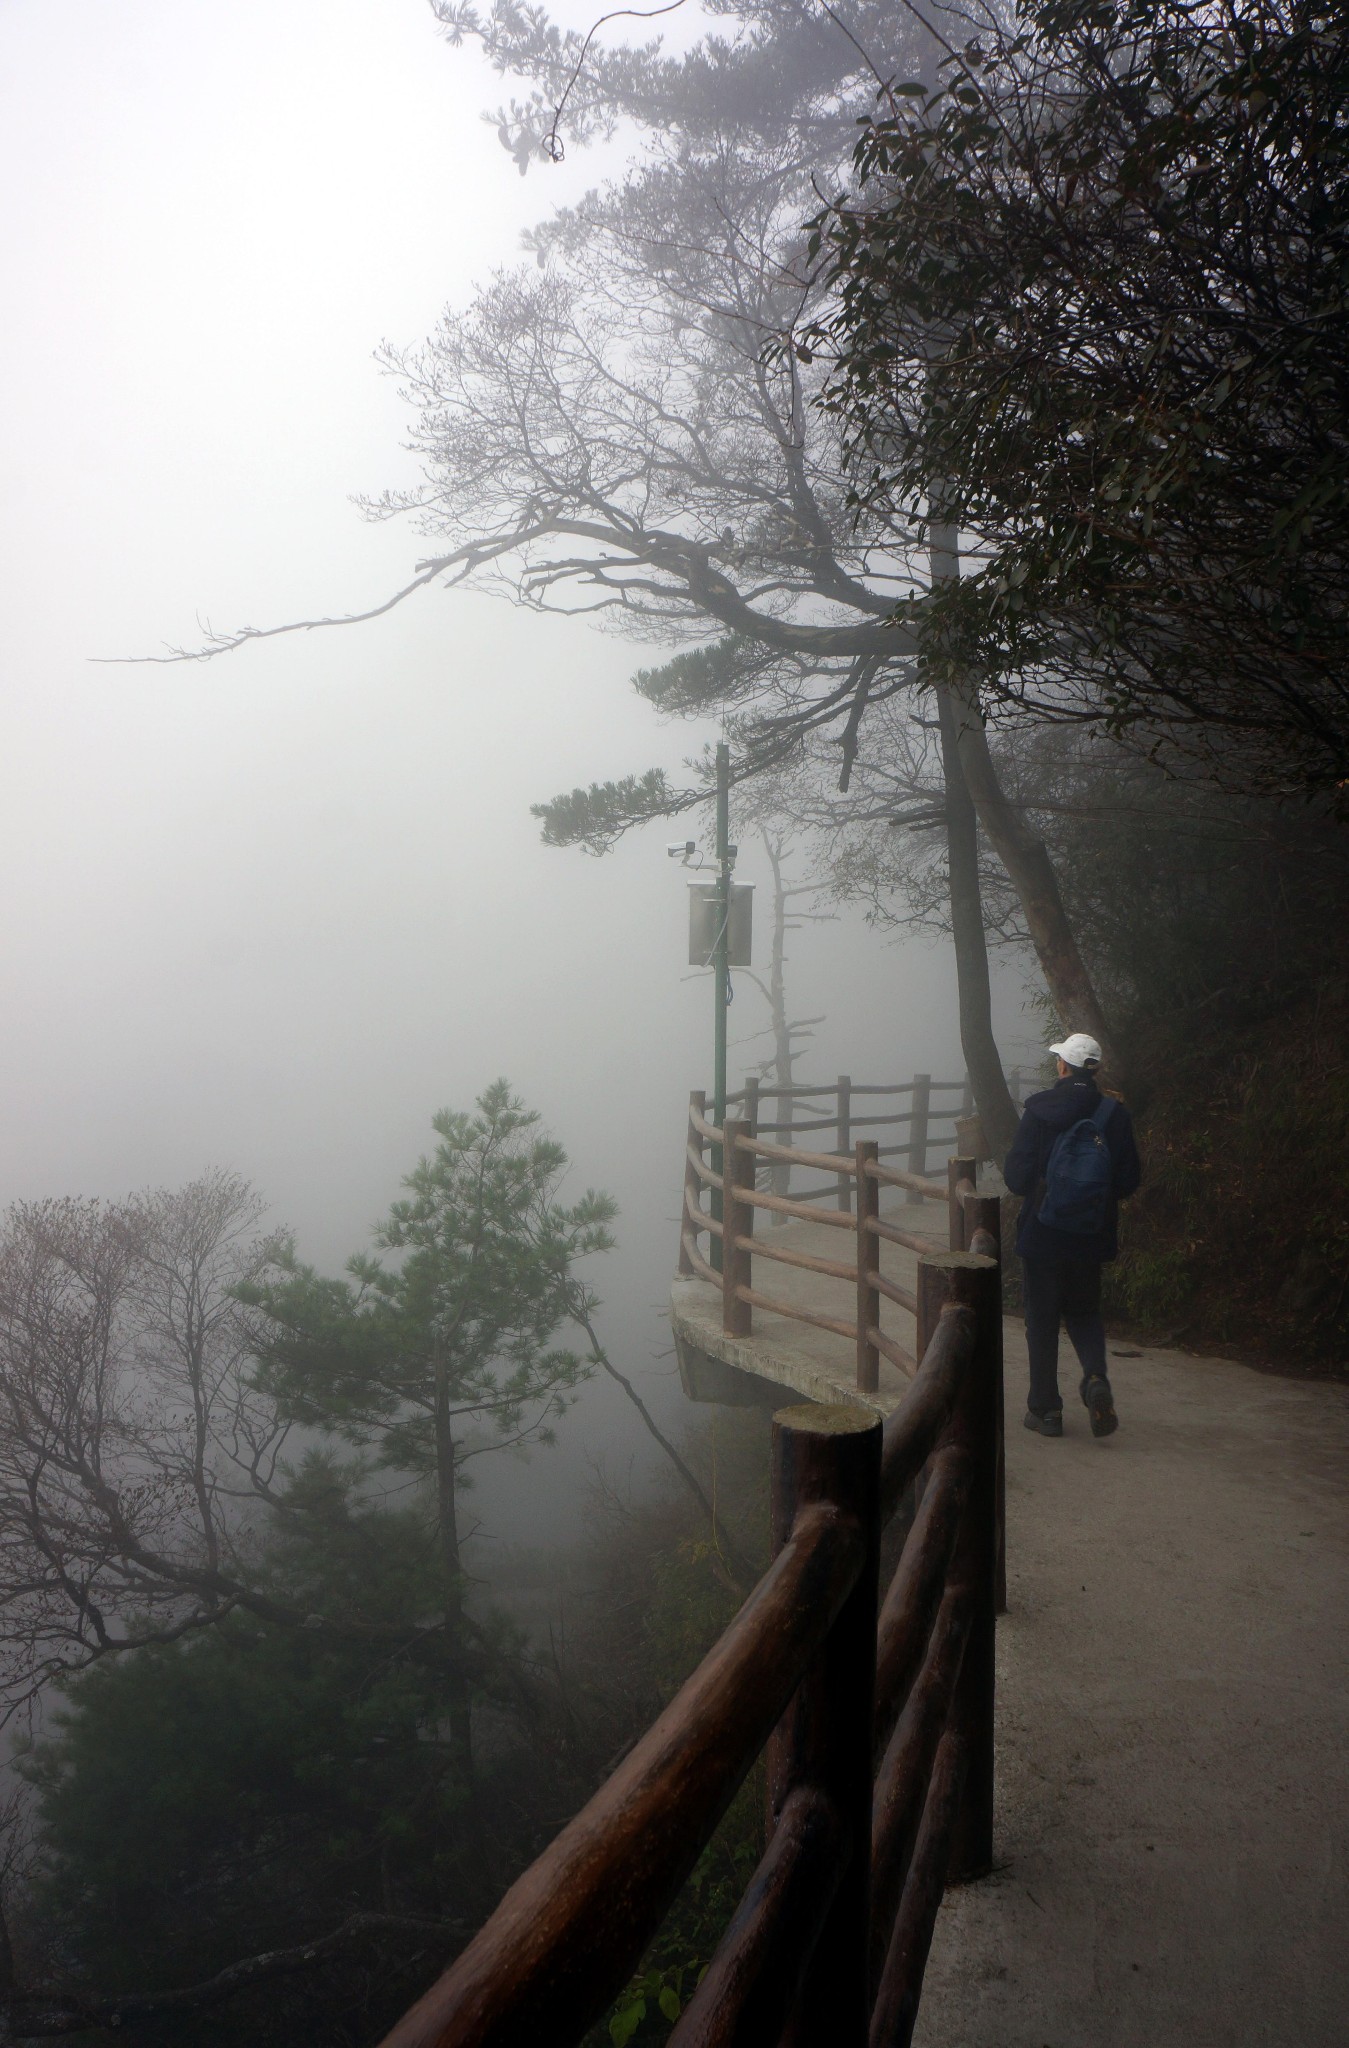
(1074, 1160)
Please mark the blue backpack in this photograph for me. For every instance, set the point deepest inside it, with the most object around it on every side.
(1080, 1175)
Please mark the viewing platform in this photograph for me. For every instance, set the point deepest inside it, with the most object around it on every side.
(800, 1271)
(784, 1355)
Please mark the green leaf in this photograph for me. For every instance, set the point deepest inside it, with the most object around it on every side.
(669, 2002)
(596, 817)
(624, 2024)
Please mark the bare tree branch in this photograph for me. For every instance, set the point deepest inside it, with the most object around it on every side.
(738, 1568)
(46, 2015)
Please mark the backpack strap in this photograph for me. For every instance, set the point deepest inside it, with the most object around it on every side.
(1103, 1112)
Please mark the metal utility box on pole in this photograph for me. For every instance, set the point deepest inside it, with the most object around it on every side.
(705, 918)
(720, 928)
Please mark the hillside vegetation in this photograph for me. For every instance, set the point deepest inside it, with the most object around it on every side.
(1219, 928)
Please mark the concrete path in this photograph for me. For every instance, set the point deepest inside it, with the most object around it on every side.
(1173, 1717)
(1173, 1796)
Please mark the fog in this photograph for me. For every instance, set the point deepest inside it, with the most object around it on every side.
(274, 910)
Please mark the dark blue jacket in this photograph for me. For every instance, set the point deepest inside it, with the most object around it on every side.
(1045, 1115)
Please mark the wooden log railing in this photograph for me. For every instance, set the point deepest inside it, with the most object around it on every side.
(973, 1223)
(921, 1114)
(878, 1736)
(733, 1245)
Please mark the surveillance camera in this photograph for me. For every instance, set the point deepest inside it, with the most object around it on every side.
(681, 849)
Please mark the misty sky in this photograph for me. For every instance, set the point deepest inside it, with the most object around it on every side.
(272, 911)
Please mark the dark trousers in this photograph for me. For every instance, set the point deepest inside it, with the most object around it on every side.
(1067, 1291)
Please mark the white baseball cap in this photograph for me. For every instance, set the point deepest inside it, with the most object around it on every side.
(1078, 1050)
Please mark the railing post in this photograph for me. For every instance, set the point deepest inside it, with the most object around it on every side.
(958, 1168)
(977, 1417)
(931, 1292)
(868, 1260)
(970, 1140)
(983, 1223)
(922, 1104)
(824, 1738)
(751, 1092)
(844, 1145)
(693, 1187)
(737, 1223)
(984, 1214)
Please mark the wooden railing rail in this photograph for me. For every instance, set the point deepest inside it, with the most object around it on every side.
(846, 1107)
(824, 1162)
(916, 1183)
(830, 1940)
(972, 1223)
(801, 1088)
(1017, 1081)
(806, 1262)
(911, 1240)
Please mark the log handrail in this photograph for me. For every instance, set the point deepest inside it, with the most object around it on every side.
(800, 1088)
(814, 1123)
(708, 1178)
(879, 1226)
(528, 1975)
(753, 1981)
(829, 1123)
(699, 1218)
(795, 1155)
(831, 1936)
(808, 1195)
(698, 1124)
(772, 1306)
(895, 1177)
(783, 1205)
(972, 1224)
(907, 1763)
(830, 1269)
(910, 1606)
(694, 1262)
(903, 1297)
(903, 1360)
(913, 1428)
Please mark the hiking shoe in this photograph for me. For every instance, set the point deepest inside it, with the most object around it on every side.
(1045, 1425)
(1100, 1407)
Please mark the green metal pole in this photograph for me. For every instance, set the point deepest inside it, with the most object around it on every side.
(722, 975)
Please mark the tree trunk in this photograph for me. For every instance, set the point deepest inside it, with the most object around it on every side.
(983, 1061)
(1031, 873)
(1025, 857)
(458, 1693)
(992, 1096)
